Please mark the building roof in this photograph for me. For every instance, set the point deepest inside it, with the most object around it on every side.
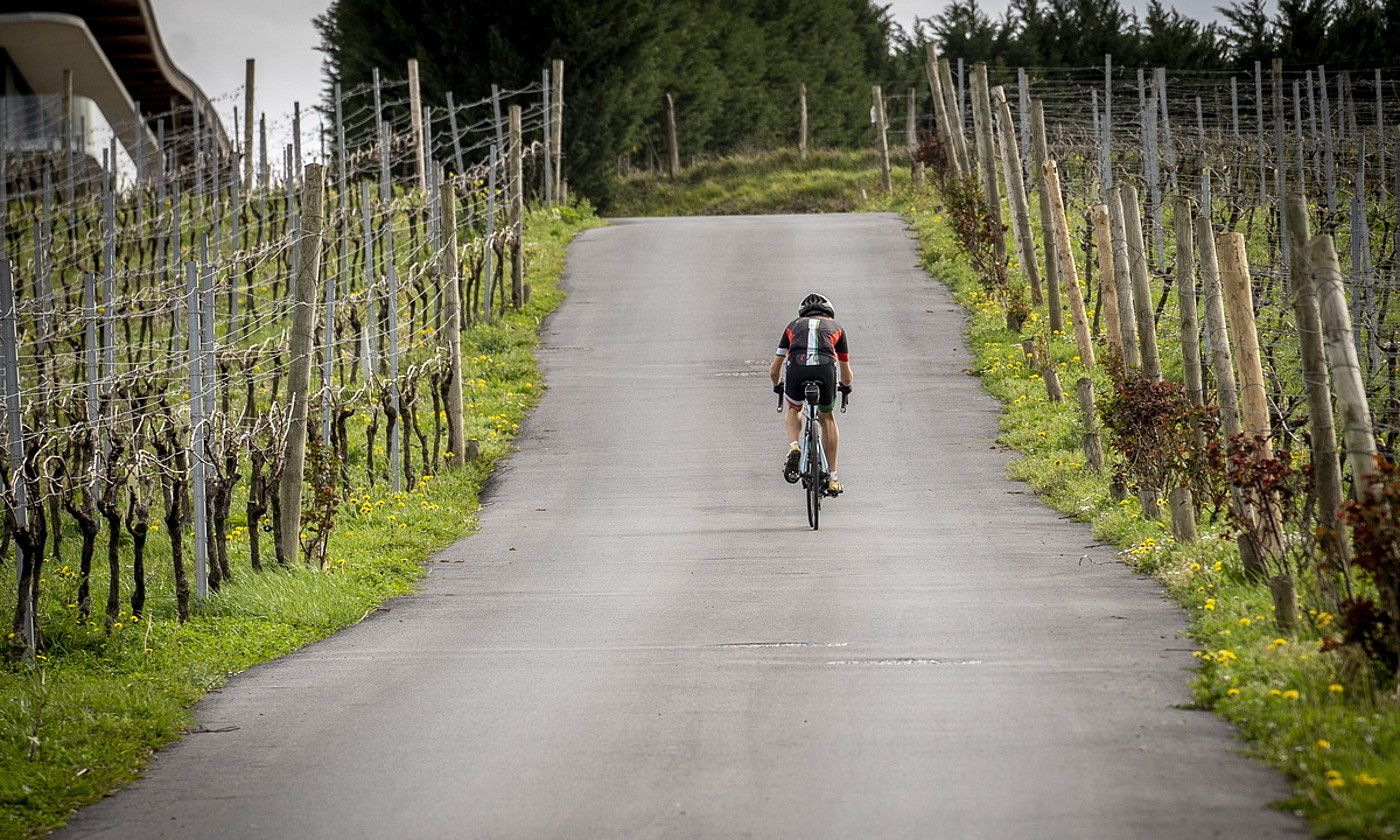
(126, 31)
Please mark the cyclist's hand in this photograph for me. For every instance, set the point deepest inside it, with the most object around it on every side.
(845, 389)
(778, 388)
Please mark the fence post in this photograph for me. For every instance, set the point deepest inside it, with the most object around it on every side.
(199, 454)
(882, 142)
(1347, 380)
(1108, 287)
(941, 116)
(1020, 207)
(456, 431)
(1327, 470)
(248, 76)
(556, 125)
(14, 427)
(802, 120)
(456, 136)
(547, 109)
(517, 213)
(673, 152)
(1142, 292)
(1280, 170)
(1329, 161)
(488, 269)
(1068, 271)
(299, 371)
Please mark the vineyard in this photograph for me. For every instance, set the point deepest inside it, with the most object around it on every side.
(1187, 305)
(208, 351)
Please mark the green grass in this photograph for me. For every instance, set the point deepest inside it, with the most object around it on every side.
(1316, 716)
(83, 718)
(765, 182)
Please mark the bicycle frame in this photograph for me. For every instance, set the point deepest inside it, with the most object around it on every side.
(812, 433)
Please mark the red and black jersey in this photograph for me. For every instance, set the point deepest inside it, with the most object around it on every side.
(814, 341)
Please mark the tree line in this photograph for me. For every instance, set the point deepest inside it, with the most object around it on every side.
(733, 66)
(1342, 34)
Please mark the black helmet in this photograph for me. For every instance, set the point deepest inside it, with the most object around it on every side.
(815, 304)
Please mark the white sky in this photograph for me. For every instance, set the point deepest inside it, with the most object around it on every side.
(209, 40)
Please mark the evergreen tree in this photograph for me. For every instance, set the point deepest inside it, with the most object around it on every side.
(1251, 35)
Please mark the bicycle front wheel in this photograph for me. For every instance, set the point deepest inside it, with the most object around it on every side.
(814, 482)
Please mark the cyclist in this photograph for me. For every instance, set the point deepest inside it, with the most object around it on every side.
(811, 350)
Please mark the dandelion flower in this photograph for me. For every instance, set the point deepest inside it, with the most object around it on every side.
(1335, 688)
(1324, 744)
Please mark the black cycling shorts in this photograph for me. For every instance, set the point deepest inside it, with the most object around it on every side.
(796, 377)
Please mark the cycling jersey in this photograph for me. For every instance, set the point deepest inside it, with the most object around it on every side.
(814, 341)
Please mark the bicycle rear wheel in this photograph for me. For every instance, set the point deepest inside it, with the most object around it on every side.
(814, 481)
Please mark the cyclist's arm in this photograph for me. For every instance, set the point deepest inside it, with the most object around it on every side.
(775, 370)
(843, 358)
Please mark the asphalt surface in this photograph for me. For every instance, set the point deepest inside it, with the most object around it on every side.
(645, 639)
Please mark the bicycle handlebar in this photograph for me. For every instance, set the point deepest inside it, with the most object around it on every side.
(844, 389)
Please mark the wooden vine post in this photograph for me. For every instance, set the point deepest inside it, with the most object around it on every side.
(673, 151)
(911, 139)
(882, 141)
(1254, 402)
(1123, 283)
(452, 332)
(1327, 469)
(1040, 153)
(802, 120)
(415, 117)
(1093, 444)
(940, 109)
(1067, 270)
(1108, 288)
(1179, 499)
(1020, 208)
(1222, 368)
(299, 369)
(1142, 292)
(954, 117)
(1350, 386)
(986, 163)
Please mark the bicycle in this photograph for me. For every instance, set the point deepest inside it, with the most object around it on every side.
(813, 458)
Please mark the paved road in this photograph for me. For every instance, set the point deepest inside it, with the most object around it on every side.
(646, 641)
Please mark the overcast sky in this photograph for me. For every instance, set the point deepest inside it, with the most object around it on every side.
(209, 39)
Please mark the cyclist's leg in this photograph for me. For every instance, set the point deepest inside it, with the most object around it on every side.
(792, 421)
(831, 438)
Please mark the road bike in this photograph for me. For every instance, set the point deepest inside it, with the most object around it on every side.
(814, 472)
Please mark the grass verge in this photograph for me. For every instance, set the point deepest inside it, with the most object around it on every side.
(827, 181)
(83, 718)
(1314, 715)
